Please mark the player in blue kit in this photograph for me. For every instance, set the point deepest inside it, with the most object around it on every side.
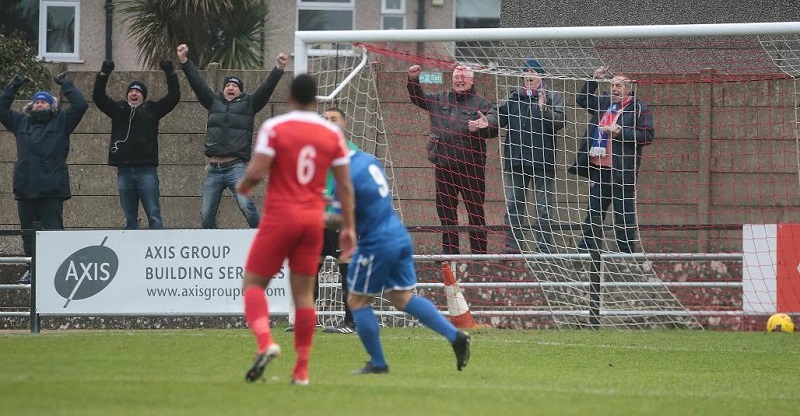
(382, 262)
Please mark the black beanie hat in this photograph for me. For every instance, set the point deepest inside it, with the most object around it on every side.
(138, 85)
(236, 80)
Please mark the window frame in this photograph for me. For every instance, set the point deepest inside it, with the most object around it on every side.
(76, 38)
(401, 10)
(393, 14)
(346, 5)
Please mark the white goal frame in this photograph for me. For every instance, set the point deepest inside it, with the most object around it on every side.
(303, 38)
(303, 63)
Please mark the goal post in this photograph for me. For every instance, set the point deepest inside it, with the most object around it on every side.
(303, 39)
(724, 105)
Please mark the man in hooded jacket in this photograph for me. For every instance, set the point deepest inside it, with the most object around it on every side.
(41, 177)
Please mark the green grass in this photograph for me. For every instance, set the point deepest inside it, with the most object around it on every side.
(512, 372)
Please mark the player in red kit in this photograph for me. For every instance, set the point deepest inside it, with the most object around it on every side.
(296, 149)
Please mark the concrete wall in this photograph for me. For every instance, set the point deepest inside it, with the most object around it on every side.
(556, 13)
(691, 175)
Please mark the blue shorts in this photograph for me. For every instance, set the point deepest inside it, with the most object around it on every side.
(382, 267)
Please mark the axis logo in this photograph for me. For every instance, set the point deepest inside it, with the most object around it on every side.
(86, 272)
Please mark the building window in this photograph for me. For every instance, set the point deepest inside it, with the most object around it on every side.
(393, 22)
(59, 30)
(325, 15)
(476, 14)
(393, 6)
(393, 14)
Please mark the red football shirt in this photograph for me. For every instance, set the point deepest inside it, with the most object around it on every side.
(303, 146)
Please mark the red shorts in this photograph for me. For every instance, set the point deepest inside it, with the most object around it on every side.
(300, 242)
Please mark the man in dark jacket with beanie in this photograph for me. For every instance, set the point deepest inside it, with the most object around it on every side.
(133, 148)
(41, 178)
(229, 134)
(532, 115)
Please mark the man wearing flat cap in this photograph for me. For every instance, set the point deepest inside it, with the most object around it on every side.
(229, 134)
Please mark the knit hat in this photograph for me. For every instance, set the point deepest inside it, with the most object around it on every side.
(43, 95)
(532, 65)
(235, 80)
(138, 85)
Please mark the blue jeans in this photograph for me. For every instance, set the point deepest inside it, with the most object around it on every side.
(217, 179)
(516, 185)
(139, 183)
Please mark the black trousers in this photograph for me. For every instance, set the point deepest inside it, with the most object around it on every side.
(470, 182)
(622, 200)
(48, 211)
(330, 247)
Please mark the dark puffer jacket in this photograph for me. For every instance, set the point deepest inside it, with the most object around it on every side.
(450, 142)
(42, 144)
(531, 139)
(229, 131)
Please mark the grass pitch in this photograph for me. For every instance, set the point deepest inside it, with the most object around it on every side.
(201, 372)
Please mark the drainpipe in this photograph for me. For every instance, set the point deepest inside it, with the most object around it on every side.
(420, 14)
(420, 24)
(109, 28)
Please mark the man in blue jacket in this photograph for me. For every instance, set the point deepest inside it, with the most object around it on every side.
(532, 115)
(41, 178)
(229, 134)
(133, 148)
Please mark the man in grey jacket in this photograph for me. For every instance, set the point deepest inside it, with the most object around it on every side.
(229, 134)
(532, 115)
(461, 122)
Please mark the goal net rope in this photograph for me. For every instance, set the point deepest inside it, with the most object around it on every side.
(725, 154)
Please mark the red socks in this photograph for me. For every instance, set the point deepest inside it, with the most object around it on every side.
(256, 313)
(304, 324)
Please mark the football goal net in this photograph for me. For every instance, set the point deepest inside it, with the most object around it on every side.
(551, 232)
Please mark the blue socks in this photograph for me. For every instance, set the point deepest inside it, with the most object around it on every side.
(369, 331)
(426, 312)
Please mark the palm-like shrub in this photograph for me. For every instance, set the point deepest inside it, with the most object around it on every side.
(228, 32)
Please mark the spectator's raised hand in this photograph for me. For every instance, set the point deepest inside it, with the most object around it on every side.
(61, 79)
(282, 60)
(107, 68)
(414, 71)
(167, 66)
(183, 51)
(18, 81)
(601, 72)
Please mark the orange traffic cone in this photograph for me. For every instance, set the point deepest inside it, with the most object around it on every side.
(456, 304)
